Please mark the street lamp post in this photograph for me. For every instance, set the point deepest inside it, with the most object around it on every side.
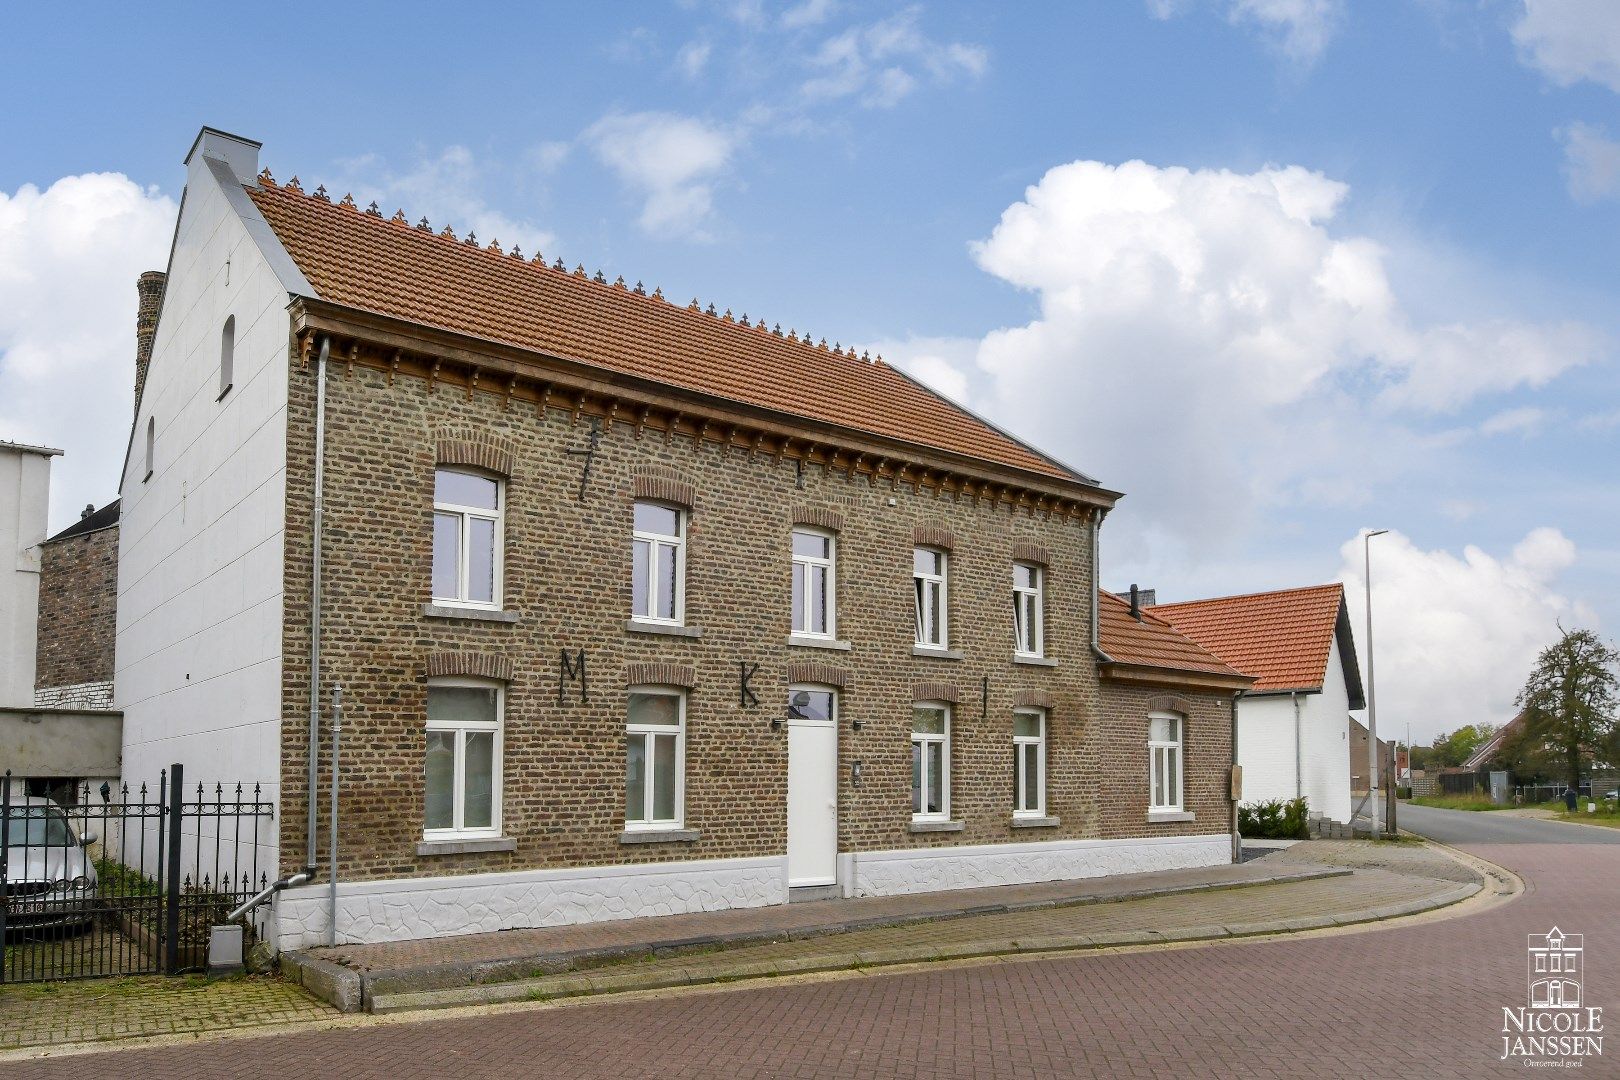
(1372, 692)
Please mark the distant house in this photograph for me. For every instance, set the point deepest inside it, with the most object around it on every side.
(1293, 736)
(1358, 758)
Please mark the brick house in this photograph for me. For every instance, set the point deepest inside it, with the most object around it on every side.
(636, 607)
(1294, 724)
(78, 607)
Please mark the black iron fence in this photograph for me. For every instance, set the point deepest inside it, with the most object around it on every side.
(121, 882)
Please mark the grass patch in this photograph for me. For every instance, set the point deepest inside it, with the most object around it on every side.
(1460, 802)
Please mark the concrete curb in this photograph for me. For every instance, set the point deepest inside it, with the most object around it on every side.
(352, 990)
(581, 985)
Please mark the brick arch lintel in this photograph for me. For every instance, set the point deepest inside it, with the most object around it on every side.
(935, 691)
(480, 449)
(1032, 699)
(818, 517)
(480, 665)
(817, 671)
(658, 673)
(1170, 703)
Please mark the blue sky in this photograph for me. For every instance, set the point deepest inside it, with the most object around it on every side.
(1364, 277)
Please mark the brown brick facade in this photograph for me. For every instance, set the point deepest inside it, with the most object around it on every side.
(78, 603)
(1122, 735)
(567, 582)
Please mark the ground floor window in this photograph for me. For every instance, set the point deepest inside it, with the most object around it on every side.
(1164, 761)
(654, 753)
(1029, 763)
(463, 762)
(930, 761)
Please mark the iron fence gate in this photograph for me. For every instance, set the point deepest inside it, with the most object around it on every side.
(127, 885)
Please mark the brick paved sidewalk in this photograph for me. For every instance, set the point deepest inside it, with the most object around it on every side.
(1367, 894)
(95, 1010)
(349, 976)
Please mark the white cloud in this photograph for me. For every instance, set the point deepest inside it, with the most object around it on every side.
(1591, 161)
(1211, 343)
(671, 161)
(69, 257)
(1571, 41)
(692, 58)
(1525, 420)
(1299, 29)
(808, 13)
(1456, 635)
(445, 190)
(941, 362)
(881, 63)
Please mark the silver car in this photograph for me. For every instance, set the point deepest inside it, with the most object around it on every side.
(50, 880)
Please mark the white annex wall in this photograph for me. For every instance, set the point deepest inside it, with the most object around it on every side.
(1266, 735)
(198, 672)
(25, 486)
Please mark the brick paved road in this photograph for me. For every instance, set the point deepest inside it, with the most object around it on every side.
(1432, 992)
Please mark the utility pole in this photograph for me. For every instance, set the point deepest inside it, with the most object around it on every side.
(1372, 692)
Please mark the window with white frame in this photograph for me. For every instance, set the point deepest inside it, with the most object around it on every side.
(658, 564)
(467, 513)
(931, 761)
(655, 750)
(1029, 763)
(1028, 613)
(928, 588)
(814, 583)
(462, 767)
(1164, 761)
(227, 355)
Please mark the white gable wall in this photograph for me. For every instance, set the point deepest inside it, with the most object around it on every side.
(25, 485)
(1266, 740)
(201, 545)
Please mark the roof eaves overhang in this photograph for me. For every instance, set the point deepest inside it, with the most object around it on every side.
(1151, 675)
(390, 332)
(1347, 657)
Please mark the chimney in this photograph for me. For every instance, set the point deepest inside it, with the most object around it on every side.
(1136, 603)
(150, 287)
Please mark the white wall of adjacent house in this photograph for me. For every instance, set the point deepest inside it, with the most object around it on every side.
(1266, 745)
(199, 629)
(25, 489)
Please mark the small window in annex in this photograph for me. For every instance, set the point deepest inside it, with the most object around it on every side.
(1164, 761)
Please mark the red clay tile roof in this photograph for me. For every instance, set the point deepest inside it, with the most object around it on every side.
(365, 261)
(1282, 638)
(1152, 642)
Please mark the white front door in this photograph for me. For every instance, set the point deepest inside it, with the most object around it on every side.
(812, 801)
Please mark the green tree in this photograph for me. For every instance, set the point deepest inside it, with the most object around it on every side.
(1459, 746)
(1571, 699)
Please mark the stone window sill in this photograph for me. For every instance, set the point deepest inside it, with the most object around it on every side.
(451, 611)
(1034, 661)
(638, 626)
(465, 847)
(1155, 816)
(1036, 822)
(934, 652)
(659, 836)
(804, 641)
(936, 826)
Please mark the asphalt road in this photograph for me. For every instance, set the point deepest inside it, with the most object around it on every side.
(1461, 828)
(1421, 999)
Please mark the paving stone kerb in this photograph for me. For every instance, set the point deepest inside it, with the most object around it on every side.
(451, 971)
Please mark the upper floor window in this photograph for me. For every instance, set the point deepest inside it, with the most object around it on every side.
(814, 583)
(462, 767)
(931, 761)
(1028, 609)
(467, 513)
(654, 757)
(928, 587)
(658, 563)
(227, 356)
(151, 445)
(1029, 763)
(1164, 761)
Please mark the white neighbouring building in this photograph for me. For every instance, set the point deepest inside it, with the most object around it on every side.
(1294, 725)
